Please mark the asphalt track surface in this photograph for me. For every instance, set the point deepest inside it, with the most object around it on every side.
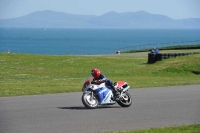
(65, 113)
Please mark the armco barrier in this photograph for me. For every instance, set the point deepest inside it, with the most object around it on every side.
(152, 58)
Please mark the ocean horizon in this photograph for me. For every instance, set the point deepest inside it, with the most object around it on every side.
(87, 41)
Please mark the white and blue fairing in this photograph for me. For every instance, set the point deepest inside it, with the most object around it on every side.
(105, 95)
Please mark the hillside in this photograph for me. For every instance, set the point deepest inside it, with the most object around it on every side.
(132, 20)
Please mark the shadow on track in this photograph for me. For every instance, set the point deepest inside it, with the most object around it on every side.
(84, 108)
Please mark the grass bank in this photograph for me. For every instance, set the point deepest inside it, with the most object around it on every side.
(24, 74)
(180, 129)
(183, 47)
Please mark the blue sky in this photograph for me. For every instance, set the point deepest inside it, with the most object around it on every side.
(175, 9)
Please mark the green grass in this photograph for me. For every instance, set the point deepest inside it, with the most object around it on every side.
(180, 129)
(23, 74)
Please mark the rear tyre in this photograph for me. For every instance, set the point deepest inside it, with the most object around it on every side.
(89, 101)
(126, 100)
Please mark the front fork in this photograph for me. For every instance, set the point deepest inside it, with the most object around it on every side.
(122, 93)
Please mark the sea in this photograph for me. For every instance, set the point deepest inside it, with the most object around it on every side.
(87, 41)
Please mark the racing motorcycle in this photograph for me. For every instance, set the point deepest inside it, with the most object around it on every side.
(95, 94)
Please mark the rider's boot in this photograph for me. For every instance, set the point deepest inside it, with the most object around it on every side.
(116, 93)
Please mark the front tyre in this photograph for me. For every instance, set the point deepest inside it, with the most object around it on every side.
(89, 101)
(125, 100)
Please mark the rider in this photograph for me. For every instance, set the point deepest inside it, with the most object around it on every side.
(100, 78)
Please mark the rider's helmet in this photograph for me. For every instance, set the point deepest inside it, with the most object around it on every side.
(95, 72)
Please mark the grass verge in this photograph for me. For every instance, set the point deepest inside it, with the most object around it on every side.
(195, 128)
(23, 74)
(183, 47)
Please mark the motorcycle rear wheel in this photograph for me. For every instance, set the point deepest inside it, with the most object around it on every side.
(126, 100)
(89, 101)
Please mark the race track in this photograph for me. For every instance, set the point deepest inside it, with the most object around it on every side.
(65, 113)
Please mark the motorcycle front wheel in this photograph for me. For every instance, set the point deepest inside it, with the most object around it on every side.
(89, 101)
(125, 100)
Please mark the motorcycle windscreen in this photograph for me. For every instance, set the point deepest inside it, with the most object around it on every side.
(102, 93)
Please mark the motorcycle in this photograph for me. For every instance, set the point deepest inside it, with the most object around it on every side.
(95, 94)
